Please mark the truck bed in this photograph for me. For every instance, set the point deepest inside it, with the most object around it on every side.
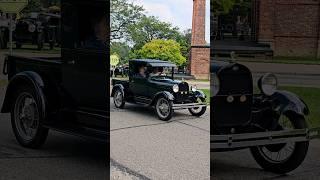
(49, 66)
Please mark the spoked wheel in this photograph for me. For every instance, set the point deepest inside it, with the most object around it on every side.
(164, 109)
(198, 111)
(26, 119)
(118, 99)
(283, 158)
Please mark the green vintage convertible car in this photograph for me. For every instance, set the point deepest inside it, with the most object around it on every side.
(151, 83)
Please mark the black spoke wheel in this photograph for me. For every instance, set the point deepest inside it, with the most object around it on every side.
(26, 118)
(283, 158)
(118, 99)
(164, 109)
(198, 111)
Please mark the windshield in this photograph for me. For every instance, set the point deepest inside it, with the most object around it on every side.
(160, 73)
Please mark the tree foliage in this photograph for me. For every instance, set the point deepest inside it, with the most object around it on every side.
(166, 50)
(122, 50)
(149, 28)
(222, 6)
(122, 15)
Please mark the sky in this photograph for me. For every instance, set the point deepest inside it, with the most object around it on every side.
(176, 12)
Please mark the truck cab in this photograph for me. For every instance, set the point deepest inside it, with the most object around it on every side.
(67, 93)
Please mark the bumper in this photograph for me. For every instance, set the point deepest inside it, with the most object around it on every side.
(237, 141)
(188, 105)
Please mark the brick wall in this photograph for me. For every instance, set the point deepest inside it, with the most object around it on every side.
(291, 27)
(200, 53)
(200, 60)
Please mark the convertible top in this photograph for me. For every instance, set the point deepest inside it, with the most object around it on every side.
(154, 62)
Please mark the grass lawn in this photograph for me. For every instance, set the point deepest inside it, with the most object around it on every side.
(312, 98)
(207, 92)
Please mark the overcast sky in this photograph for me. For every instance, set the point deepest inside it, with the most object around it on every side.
(177, 12)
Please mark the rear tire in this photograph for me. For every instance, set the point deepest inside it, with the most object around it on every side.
(292, 162)
(26, 118)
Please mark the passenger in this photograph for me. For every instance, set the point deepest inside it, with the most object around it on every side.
(98, 37)
(142, 72)
(155, 72)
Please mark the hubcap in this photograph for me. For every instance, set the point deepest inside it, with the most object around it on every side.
(279, 152)
(26, 116)
(196, 109)
(118, 98)
(163, 107)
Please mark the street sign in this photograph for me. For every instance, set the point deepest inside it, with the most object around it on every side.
(12, 6)
(114, 60)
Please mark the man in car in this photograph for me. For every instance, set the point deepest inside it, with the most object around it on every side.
(142, 72)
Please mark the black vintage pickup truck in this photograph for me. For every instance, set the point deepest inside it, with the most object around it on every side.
(67, 93)
(151, 83)
(271, 123)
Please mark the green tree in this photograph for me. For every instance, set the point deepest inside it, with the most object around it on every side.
(33, 6)
(121, 49)
(149, 28)
(166, 50)
(122, 15)
(222, 6)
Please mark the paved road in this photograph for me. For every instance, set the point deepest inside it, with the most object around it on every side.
(240, 165)
(147, 148)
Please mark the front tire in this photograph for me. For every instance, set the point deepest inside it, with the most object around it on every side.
(26, 118)
(118, 99)
(294, 159)
(164, 109)
(198, 111)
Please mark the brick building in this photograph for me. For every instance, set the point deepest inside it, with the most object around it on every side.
(200, 51)
(291, 27)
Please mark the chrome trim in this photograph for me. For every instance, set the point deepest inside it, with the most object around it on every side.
(188, 105)
(233, 141)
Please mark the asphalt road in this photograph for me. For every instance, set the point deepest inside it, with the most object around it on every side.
(240, 165)
(147, 148)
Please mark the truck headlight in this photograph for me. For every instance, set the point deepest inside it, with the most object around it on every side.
(215, 84)
(175, 88)
(268, 84)
(31, 28)
(193, 88)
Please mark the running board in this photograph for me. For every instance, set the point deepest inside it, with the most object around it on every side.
(237, 141)
(82, 132)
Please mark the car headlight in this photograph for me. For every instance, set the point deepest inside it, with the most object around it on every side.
(215, 84)
(194, 88)
(31, 28)
(268, 84)
(175, 88)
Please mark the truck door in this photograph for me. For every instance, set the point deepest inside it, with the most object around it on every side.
(85, 60)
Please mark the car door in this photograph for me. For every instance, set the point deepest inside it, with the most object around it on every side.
(85, 64)
(139, 87)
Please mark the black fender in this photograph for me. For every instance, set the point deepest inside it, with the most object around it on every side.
(288, 102)
(165, 94)
(117, 86)
(200, 94)
(27, 77)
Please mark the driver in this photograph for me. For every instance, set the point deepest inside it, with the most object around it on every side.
(155, 72)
